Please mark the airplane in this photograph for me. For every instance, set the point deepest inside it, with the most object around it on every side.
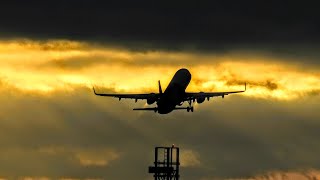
(174, 95)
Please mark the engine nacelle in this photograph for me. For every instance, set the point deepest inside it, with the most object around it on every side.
(200, 99)
(152, 99)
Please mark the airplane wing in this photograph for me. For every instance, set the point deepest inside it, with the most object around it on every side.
(193, 96)
(128, 96)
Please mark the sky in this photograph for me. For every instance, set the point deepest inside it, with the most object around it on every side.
(53, 52)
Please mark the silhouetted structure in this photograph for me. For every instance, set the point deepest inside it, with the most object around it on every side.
(166, 163)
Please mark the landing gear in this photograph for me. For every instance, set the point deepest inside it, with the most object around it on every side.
(190, 109)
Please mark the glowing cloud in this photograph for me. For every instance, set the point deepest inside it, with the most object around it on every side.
(86, 157)
(189, 158)
(278, 175)
(292, 175)
(96, 158)
(43, 67)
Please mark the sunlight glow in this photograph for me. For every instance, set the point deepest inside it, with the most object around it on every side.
(43, 67)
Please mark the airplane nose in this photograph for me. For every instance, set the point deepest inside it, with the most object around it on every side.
(184, 70)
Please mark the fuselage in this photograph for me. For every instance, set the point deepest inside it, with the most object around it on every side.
(174, 93)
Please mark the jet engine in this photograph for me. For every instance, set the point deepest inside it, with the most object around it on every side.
(152, 99)
(200, 99)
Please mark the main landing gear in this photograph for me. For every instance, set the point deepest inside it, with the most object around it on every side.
(190, 108)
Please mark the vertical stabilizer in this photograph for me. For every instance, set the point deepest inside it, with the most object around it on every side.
(160, 89)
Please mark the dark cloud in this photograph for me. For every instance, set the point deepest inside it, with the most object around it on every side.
(314, 92)
(268, 28)
(151, 24)
(269, 84)
(77, 63)
(234, 137)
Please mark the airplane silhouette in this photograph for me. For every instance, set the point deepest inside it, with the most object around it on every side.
(173, 96)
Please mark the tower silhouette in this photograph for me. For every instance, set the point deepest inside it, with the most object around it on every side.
(166, 163)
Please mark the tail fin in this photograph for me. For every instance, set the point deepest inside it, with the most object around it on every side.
(160, 89)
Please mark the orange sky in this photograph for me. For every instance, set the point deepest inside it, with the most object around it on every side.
(45, 66)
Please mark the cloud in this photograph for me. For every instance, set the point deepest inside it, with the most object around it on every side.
(269, 84)
(80, 179)
(47, 178)
(213, 26)
(47, 136)
(34, 178)
(314, 92)
(290, 175)
(85, 156)
(76, 63)
(52, 123)
(96, 158)
(189, 158)
(309, 175)
(68, 64)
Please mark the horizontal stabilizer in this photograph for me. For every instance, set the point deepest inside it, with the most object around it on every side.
(146, 109)
(180, 108)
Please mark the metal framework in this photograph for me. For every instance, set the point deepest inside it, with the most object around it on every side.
(166, 163)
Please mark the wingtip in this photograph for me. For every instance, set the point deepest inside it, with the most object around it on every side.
(159, 86)
(94, 90)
